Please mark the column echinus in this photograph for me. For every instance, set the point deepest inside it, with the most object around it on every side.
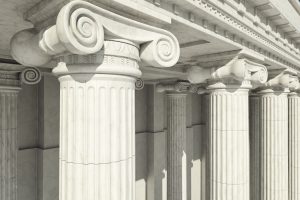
(11, 77)
(97, 54)
(269, 138)
(228, 127)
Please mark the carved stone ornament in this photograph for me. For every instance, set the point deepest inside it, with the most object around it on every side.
(30, 75)
(139, 84)
(285, 79)
(82, 27)
(238, 69)
(181, 86)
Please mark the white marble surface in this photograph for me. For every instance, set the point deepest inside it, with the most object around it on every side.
(294, 143)
(274, 161)
(228, 144)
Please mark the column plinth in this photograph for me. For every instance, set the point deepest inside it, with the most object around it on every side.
(176, 146)
(228, 143)
(97, 124)
(294, 142)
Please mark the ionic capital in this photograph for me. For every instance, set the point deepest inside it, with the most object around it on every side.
(81, 28)
(239, 70)
(30, 75)
(285, 80)
(12, 76)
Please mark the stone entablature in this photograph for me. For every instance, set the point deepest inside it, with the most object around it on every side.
(252, 32)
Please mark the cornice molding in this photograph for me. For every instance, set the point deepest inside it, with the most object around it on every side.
(82, 27)
(251, 32)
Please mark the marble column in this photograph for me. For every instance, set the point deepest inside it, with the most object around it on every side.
(269, 143)
(294, 145)
(176, 146)
(228, 125)
(229, 143)
(97, 123)
(255, 147)
(96, 53)
(9, 88)
(274, 150)
(8, 144)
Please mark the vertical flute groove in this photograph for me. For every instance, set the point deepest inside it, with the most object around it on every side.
(176, 145)
(269, 146)
(229, 145)
(97, 132)
(8, 143)
(294, 155)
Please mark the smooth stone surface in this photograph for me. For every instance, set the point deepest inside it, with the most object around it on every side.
(27, 174)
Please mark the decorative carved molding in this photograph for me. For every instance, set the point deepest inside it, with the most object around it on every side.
(139, 84)
(109, 61)
(30, 75)
(238, 69)
(81, 28)
(181, 86)
(284, 80)
(273, 46)
(9, 80)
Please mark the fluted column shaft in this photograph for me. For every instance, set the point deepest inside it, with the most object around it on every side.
(8, 144)
(294, 146)
(97, 128)
(255, 147)
(176, 146)
(271, 137)
(229, 144)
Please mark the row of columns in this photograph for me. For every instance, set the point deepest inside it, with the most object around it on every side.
(252, 155)
(97, 62)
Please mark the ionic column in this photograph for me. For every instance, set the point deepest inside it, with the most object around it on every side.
(176, 146)
(10, 79)
(271, 140)
(228, 126)
(8, 137)
(97, 125)
(255, 146)
(97, 54)
(229, 143)
(294, 144)
(176, 139)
